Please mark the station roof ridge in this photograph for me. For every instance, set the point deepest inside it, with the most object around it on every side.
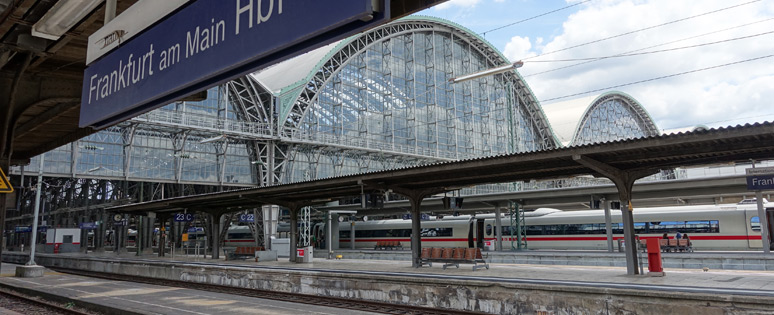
(652, 152)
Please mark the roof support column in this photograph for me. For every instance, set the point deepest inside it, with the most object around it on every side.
(415, 197)
(294, 209)
(498, 228)
(163, 218)
(624, 180)
(416, 231)
(216, 226)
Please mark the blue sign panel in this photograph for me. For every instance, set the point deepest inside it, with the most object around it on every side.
(195, 229)
(23, 229)
(88, 225)
(246, 218)
(760, 182)
(183, 217)
(208, 42)
(422, 216)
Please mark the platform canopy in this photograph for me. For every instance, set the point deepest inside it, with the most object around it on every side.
(653, 153)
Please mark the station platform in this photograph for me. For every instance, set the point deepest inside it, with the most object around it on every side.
(121, 297)
(503, 289)
(730, 260)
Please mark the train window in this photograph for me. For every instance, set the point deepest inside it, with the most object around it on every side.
(240, 236)
(488, 229)
(532, 230)
(435, 232)
(755, 224)
(345, 234)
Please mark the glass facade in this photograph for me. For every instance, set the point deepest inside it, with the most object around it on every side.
(613, 117)
(379, 100)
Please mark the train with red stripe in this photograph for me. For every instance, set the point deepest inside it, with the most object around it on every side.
(712, 227)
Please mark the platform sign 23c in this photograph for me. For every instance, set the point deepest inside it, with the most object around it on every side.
(183, 217)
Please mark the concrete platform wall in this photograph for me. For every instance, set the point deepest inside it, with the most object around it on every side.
(670, 260)
(483, 296)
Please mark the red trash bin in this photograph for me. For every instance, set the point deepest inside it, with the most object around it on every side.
(654, 257)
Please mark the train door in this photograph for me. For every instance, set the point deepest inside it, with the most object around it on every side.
(471, 229)
(770, 221)
(480, 233)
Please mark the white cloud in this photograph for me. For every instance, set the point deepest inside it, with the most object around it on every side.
(457, 3)
(717, 97)
(518, 48)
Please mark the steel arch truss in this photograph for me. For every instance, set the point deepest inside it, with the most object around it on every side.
(508, 89)
(614, 116)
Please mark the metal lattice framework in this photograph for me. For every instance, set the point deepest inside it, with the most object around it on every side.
(378, 100)
(382, 100)
(614, 116)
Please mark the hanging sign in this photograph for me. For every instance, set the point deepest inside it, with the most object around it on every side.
(208, 42)
(761, 178)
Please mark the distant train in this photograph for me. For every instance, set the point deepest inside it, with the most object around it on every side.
(713, 227)
(721, 227)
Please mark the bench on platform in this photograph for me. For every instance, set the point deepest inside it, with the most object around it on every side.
(454, 257)
(676, 245)
(242, 252)
(388, 245)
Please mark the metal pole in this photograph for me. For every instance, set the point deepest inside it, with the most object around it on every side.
(498, 229)
(764, 223)
(352, 233)
(328, 242)
(608, 225)
(35, 214)
(631, 248)
(110, 10)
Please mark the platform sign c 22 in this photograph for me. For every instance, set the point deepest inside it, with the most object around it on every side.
(761, 178)
(183, 217)
(247, 217)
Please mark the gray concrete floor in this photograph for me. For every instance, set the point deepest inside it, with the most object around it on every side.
(152, 299)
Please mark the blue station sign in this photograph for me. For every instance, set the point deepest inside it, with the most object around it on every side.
(88, 225)
(761, 178)
(208, 42)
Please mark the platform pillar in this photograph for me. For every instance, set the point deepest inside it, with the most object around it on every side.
(498, 229)
(608, 225)
(624, 181)
(148, 238)
(416, 232)
(294, 232)
(216, 235)
(352, 233)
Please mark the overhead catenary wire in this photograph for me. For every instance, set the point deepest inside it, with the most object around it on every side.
(649, 47)
(534, 17)
(655, 51)
(641, 29)
(657, 78)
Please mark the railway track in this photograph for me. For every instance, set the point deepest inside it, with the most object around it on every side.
(28, 305)
(352, 304)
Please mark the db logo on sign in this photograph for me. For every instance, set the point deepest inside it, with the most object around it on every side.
(300, 252)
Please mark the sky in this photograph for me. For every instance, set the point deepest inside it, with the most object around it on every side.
(725, 35)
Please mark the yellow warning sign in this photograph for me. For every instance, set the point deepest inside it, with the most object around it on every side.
(5, 186)
(185, 237)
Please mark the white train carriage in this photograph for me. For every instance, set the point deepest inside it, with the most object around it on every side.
(436, 233)
(723, 227)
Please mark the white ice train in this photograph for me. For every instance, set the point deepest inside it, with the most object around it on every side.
(720, 227)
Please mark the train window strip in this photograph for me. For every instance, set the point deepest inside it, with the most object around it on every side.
(693, 226)
(426, 232)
